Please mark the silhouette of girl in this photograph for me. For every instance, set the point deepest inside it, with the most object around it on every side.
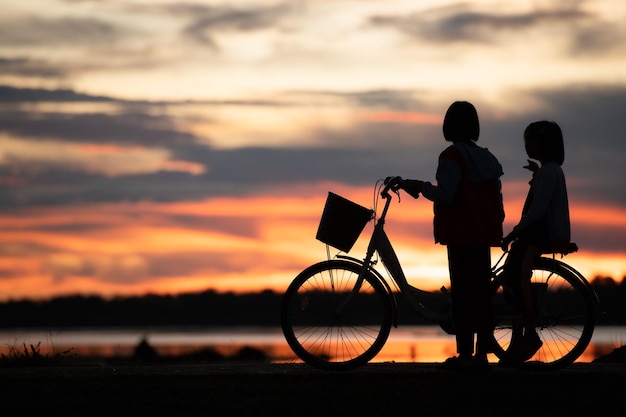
(544, 227)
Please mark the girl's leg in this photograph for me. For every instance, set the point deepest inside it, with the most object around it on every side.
(528, 303)
(470, 273)
(460, 291)
(524, 342)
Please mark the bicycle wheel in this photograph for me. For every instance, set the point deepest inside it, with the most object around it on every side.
(330, 326)
(565, 316)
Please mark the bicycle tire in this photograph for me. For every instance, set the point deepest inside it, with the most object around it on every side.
(565, 316)
(320, 334)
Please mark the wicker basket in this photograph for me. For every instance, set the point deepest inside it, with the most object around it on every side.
(342, 222)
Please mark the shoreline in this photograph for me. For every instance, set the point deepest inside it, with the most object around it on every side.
(245, 388)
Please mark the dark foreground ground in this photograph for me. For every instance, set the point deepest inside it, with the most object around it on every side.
(259, 389)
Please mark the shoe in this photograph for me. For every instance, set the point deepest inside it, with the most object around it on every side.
(521, 349)
(486, 345)
(456, 363)
(481, 363)
(531, 343)
(465, 364)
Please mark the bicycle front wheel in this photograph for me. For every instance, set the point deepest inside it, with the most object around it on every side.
(329, 322)
(565, 316)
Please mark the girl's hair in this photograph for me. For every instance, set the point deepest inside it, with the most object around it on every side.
(549, 138)
(461, 122)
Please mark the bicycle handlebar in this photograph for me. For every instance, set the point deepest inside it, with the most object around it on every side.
(391, 183)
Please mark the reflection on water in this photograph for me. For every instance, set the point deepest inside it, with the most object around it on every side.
(405, 344)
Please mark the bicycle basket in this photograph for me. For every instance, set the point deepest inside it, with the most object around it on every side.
(342, 222)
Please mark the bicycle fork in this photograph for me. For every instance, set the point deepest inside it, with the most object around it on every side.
(365, 269)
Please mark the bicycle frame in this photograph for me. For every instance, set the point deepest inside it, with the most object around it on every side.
(331, 322)
(380, 243)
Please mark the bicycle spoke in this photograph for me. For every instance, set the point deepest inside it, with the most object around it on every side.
(338, 324)
(565, 316)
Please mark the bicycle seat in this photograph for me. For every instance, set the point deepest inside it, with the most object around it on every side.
(561, 248)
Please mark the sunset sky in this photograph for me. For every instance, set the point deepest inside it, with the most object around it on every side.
(164, 146)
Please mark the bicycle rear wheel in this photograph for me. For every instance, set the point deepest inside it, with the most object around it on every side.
(330, 326)
(565, 316)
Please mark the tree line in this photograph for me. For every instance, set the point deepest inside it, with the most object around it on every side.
(212, 308)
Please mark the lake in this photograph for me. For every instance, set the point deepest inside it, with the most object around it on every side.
(405, 344)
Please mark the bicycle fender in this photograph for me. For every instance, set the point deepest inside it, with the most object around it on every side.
(573, 271)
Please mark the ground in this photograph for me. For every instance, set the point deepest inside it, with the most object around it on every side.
(253, 388)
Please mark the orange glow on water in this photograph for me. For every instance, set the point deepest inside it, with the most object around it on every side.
(425, 344)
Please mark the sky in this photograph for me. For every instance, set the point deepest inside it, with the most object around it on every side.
(159, 146)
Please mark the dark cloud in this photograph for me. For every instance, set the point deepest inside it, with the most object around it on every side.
(591, 119)
(30, 68)
(598, 38)
(231, 173)
(465, 23)
(127, 129)
(37, 95)
(390, 99)
(16, 95)
(58, 31)
(461, 24)
(206, 21)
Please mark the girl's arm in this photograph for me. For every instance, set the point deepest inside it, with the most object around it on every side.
(545, 182)
(448, 178)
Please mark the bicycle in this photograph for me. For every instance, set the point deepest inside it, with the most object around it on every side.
(337, 314)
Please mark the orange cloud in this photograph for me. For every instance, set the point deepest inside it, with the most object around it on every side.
(228, 244)
(192, 168)
(107, 149)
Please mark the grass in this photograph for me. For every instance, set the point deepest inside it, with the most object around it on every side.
(29, 355)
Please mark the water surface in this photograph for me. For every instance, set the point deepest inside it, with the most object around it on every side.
(405, 344)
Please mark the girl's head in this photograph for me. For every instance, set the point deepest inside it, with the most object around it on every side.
(461, 122)
(544, 141)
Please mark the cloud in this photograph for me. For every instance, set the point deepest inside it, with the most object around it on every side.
(389, 99)
(143, 156)
(586, 32)
(34, 31)
(125, 129)
(293, 98)
(460, 23)
(208, 22)
(117, 155)
(30, 68)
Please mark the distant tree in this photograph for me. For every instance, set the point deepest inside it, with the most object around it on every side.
(608, 282)
(212, 308)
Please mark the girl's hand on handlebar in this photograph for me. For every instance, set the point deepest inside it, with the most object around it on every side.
(506, 241)
(412, 187)
(393, 184)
